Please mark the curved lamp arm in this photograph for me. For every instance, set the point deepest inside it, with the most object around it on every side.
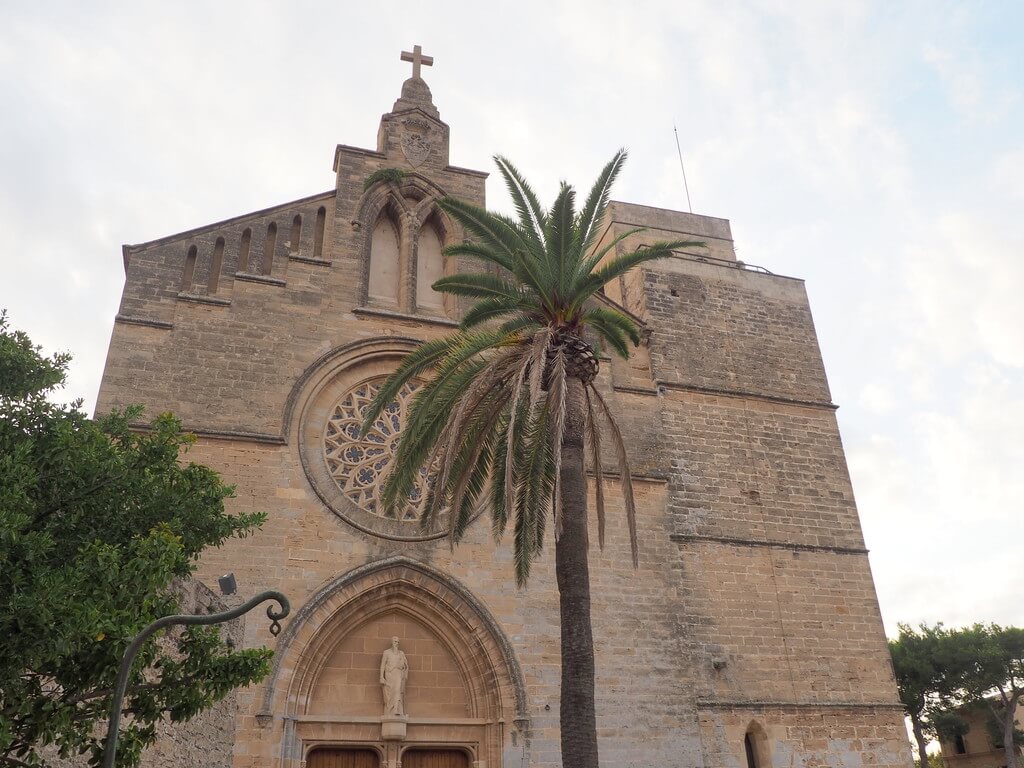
(114, 724)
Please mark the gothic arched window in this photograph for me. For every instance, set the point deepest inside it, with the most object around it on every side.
(429, 268)
(385, 258)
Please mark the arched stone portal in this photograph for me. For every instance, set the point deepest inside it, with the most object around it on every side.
(463, 692)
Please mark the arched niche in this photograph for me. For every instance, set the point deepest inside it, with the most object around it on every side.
(323, 689)
(411, 208)
(430, 265)
(385, 259)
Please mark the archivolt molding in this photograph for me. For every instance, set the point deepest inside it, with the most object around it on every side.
(330, 363)
(413, 187)
(401, 584)
(317, 396)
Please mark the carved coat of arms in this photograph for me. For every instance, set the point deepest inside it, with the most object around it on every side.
(416, 140)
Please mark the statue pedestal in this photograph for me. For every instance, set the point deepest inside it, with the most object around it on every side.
(392, 727)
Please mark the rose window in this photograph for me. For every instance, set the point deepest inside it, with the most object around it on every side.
(358, 464)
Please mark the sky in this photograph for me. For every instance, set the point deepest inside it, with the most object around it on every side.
(875, 149)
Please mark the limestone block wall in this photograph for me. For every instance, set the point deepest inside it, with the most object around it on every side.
(227, 362)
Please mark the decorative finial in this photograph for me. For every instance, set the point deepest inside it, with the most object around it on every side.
(417, 58)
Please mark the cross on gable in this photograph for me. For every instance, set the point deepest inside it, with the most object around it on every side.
(417, 58)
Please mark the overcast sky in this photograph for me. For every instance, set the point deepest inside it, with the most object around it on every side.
(874, 149)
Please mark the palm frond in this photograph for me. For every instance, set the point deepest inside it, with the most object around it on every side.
(589, 264)
(413, 364)
(522, 323)
(469, 480)
(620, 265)
(597, 201)
(613, 327)
(592, 435)
(534, 480)
(625, 476)
(516, 411)
(610, 330)
(499, 233)
(499, 508)
(615, 318)
(447, 455)
(478, 285)
(470, 404)
(557, 387)
(531, 214)
(493, 307)
(560, 229)
(427, 416)
(538, 359)
(481, 252)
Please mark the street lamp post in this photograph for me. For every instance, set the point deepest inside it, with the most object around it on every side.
(114, 724)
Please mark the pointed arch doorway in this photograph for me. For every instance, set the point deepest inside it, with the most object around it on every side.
(462, 702)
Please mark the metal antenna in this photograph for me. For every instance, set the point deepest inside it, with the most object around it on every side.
(683, 167)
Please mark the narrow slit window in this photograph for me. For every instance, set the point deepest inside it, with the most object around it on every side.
(243, 250)
(269, 245)
(318, 233)
(216, 262)
(293, 238)
(189, 273)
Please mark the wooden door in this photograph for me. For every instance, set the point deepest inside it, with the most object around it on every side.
(343, 758)
(435, 758)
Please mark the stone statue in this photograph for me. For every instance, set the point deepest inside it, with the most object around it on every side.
(394, 671)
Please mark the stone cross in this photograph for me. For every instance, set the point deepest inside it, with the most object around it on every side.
(417, 58)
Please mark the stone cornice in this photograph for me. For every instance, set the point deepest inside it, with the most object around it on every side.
(741, 542)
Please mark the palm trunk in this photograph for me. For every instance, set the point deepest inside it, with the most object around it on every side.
(577, 712)
(922, 742)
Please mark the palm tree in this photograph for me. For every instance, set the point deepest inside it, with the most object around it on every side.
(509, 403)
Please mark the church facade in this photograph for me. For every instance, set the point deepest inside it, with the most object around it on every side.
(750, 634)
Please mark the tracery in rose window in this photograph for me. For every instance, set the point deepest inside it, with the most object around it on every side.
(358, 464)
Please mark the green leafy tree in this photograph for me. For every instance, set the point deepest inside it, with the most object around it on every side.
(985, 664)
(931, 761)
(919, 679)
(509, 405)
(96, 522)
